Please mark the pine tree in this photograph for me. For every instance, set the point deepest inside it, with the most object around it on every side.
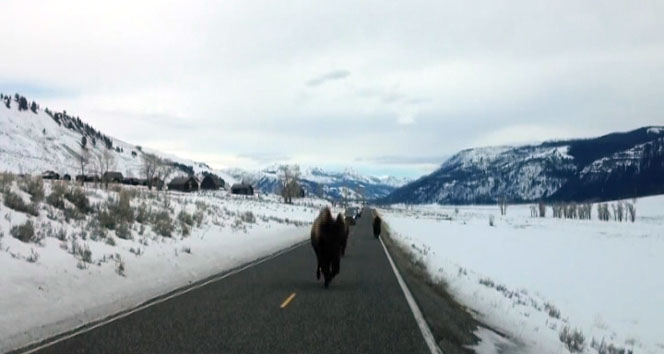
(84, 142)
(22, 104)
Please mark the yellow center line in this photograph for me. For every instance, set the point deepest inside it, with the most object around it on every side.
(288, 301)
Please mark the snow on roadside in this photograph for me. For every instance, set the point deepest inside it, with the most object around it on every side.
(63, 289)
(532, 277)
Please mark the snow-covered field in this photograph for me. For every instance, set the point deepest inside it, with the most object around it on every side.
(532, 277)
(75, 270)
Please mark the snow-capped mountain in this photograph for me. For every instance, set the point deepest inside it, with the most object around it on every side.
(332, 185)
(618, 165)
(35, 139)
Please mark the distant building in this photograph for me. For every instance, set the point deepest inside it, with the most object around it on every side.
(131, 181)
(112, 177)
(87, 178)
(66, 177)
(50, 175)
(212, 182)
(183, 184)
(242, 188)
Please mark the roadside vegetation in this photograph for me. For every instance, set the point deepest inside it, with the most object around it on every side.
(77, 215)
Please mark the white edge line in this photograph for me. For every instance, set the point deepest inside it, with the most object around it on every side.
(156, 302)
(419, 318)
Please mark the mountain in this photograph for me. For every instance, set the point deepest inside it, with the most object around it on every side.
(330, 185)
(614, 166)
(34, 140)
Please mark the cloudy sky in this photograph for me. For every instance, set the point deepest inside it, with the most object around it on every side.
(384, 87)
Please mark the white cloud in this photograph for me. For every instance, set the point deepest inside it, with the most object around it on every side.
(230, 80)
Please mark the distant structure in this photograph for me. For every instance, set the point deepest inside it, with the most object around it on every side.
(66, 177)
(112, 177)
(242, 188)
(212, 182)
(131, 181)
(50, 175)
(183, 184)
(87, 178)
(157, 183)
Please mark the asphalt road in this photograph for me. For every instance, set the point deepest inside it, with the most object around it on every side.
(363, 311)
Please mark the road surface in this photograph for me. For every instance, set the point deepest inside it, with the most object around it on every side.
(274, 307)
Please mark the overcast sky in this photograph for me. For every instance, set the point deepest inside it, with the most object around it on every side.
(380, 86)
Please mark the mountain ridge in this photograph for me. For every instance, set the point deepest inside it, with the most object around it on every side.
(612, 166)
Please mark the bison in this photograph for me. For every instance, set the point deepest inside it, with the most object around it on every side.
(376, 226)
(327, 234)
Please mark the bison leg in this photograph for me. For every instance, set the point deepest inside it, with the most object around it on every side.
(336, 265)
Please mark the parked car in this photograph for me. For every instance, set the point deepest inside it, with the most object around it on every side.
(350, 215)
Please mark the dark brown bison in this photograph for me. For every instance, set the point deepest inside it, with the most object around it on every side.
(327, 235)
(376, 226)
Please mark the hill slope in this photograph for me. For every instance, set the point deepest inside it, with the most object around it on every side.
(614, 166)
(35, 141)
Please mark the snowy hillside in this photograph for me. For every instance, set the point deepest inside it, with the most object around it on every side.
(331, 185)
(619, 165)
(34, 142)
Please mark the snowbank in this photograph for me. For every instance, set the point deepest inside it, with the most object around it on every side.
(532, 277)
(63, 288)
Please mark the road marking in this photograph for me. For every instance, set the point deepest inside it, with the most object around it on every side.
(151, 303)
(288, 301)
(419, 318)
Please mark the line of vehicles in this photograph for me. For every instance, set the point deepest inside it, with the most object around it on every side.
(352, 214)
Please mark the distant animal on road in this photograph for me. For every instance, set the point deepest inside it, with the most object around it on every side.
(344, 239)
(376, 225)
(327, 234)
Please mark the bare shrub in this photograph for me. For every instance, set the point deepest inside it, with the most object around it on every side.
(631, 212)
(122, 207)
(107, 220)
(248, 217)
(185, 218)
(6, 180)
(552, 311)
(620, 211)
(162, 223)
(573, 339)
(33, 257)
(15, 202)
(119, 266)
(123, 231)
(24, 233)
(585, 211)
(542, 210)
(502, 204)
(603, 212)
(558, 211)
(76, 196)
(33, 186)
(81, 251)
(56, 198)
(604, 348)
(142, 214)
(488, 283)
